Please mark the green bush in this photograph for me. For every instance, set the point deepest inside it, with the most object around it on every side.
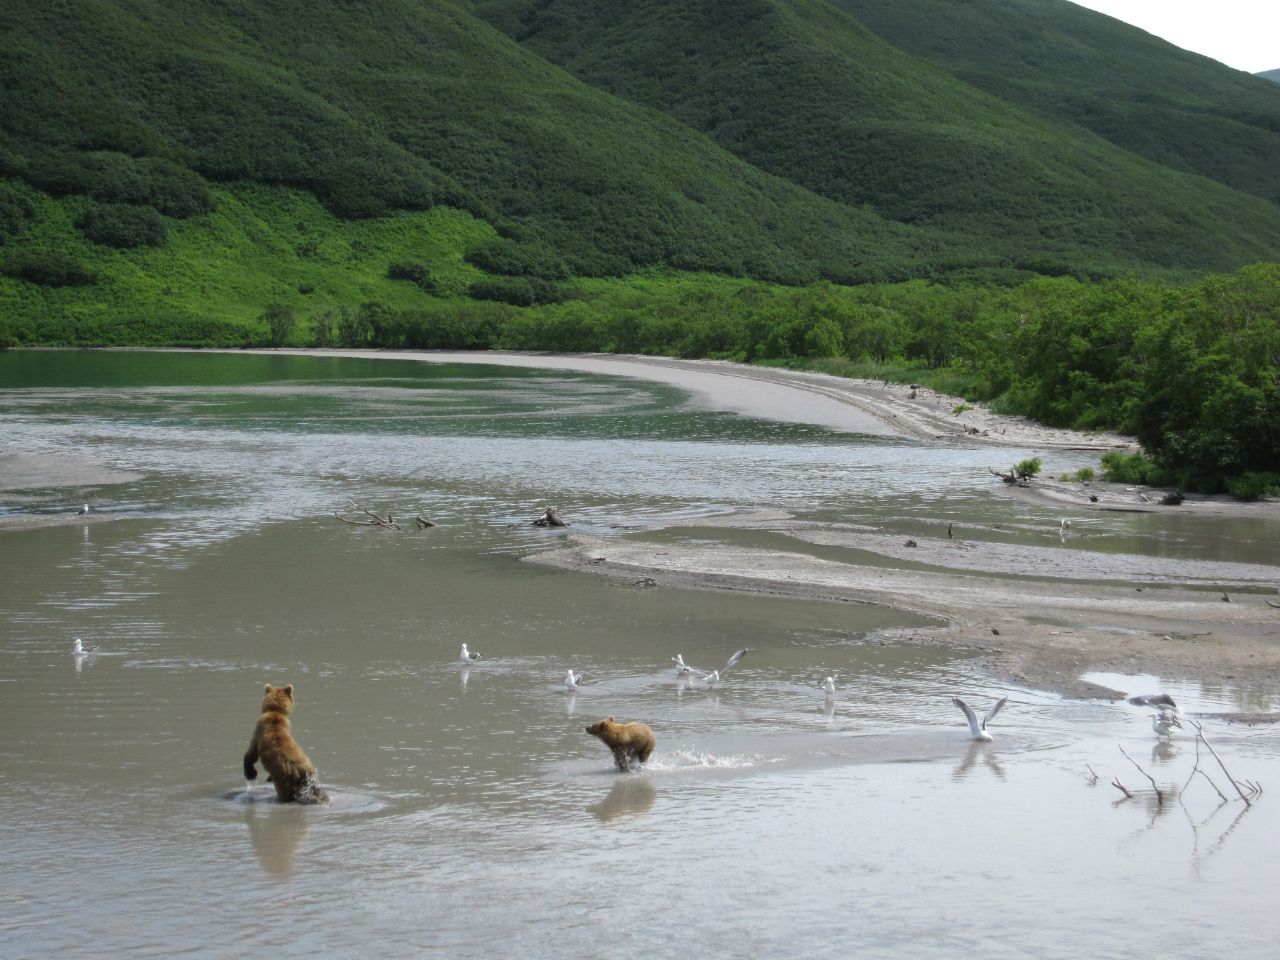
(1132, 468)
(1253, 485)
(414, 272)
(49, 270)
(15, 211)
(121, 225)
(280, 323)
(517, 291)
(1028, 468)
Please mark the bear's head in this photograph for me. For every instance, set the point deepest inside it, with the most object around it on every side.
(597, 728)
(277, 699)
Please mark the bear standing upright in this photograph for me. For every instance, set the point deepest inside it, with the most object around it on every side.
(273, 746)
(626, 740)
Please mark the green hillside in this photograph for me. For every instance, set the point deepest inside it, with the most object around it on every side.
(1171, 106)
(802, 89)
(401, 106)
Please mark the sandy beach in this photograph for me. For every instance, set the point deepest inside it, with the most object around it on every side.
(1032, 614)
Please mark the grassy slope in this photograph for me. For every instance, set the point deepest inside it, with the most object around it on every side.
(1166, 104)
(805, 91)
(262, 245)
(408, 106)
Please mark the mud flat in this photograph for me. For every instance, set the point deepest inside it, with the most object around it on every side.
(1044, 627)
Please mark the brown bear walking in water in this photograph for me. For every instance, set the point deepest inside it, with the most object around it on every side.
(273, 746)
(626, 740)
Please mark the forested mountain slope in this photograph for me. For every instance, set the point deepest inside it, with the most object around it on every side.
(1169, 105)
(401, 105)
(802, 89)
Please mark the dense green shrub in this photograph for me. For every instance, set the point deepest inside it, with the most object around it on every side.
(517, 291)
(280, 321)
(1132, 468)
(1253, 485)
(511, 259)
(412, 271)
(15, 210)
(117, 178)
(48, 270)
(122, 225)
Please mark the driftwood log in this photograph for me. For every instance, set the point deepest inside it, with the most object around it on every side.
(549, 518)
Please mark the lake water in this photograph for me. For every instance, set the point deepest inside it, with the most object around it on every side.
(472, 815)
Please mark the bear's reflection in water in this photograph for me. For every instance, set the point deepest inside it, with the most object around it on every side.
(630, 797)
(276, 831)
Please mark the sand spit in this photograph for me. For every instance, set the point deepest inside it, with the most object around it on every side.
(857, 406)
(1043, 633)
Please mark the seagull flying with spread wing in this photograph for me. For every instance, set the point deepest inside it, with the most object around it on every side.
(709, 680)
(979, 730)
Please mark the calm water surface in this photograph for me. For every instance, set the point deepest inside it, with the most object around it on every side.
(472, 815)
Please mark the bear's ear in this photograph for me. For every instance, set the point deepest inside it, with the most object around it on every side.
(611, 720)
(266, 688)
(289, 691)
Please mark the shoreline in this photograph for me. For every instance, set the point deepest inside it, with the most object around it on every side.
(1025, 613)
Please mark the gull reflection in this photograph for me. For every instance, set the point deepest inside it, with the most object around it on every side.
(571, 704)
(464, 674)
(978, 748)
(630, 797)
(1163, 751)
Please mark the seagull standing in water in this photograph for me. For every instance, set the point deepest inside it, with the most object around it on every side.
(82, 511)
(78, 649)
(829, 686)
(979, 730)
(1164, 724)
(571, 681)
(467, 656)
(709, 680)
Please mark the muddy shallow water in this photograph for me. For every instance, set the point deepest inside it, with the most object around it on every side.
(472, 814)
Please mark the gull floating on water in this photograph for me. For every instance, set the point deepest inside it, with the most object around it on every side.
(571, 681)
(709, 680)
(979, 730)
(82, 511)
(78, 649)
(467, 656)
(682, 668)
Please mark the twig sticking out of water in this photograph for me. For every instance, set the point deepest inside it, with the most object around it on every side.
(1159, 793)
(423, 523)
(1120, 786)
(387, 523)
(1200, 736)
(1092, 779)
(1196, 769)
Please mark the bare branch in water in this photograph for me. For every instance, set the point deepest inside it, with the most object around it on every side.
(1092, 779)
(1200, 735)
(1120, 786)
(1159, 794)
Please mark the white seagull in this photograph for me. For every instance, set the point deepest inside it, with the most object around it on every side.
(682, 669)
(78, 649)
(829, 686)
(709, 680)
(82, 511)
(979, 730)
(571, 681)
(1164, 724)
(467, 656)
